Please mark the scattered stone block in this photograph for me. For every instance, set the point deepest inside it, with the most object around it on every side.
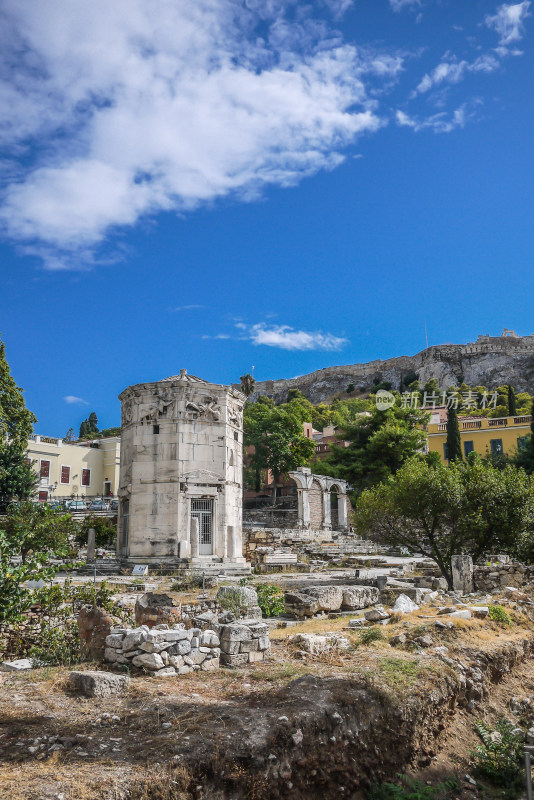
(357, 597)
(19, 665)
(238, 660)
(329, 598)
(301, 605)
(403, 605)
(376, 614)
(98, 684)
(148, 661)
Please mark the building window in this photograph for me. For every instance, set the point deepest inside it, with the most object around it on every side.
(155, 428)
(86, 477)
(496, 446)
(522, 442)
(45, 469)
(236, 436)
(65, 474)
(445, 451)
(468, 448)
(43, 497)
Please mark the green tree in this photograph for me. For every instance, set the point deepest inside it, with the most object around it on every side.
(17, 479)
(442, 511)
(16, 422)
(69, 436)
(278, 441)
(512, 405)
(247, 384)
(454, 442)
(525, 455)
(93, 422)
(39, 528)
(35, 535)
(380, 442)
(84, 430)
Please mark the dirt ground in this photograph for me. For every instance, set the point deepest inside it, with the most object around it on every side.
(178, 738)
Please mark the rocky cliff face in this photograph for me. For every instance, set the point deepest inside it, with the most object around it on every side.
(490, 361)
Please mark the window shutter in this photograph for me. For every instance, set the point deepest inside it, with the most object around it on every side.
(65, 474)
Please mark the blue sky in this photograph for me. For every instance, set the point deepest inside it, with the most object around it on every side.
(229, 184)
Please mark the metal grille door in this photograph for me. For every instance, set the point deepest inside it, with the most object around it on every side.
(203, 511)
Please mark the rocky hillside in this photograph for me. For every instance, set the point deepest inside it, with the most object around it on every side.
(490, 361)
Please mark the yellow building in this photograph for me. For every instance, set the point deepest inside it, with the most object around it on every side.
(75, 469)
(482, 435)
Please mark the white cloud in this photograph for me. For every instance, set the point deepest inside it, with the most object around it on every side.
(398, 5)
(72, 399)
(453, 71)
(190, 307)
(509, 21)
(288, 338)
(439, 123)
(129, 108)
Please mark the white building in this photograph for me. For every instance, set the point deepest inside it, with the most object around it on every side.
(181, 472)
(75, 469)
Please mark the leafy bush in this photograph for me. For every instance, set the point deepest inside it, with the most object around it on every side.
(412, 789)
(369, 635)
(270, 599)
(50, 634)
(498, 758)
(105, 531)
(498, 614)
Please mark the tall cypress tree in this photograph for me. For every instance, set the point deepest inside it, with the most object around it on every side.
(454, 442)
(17, 478)
(512, 405)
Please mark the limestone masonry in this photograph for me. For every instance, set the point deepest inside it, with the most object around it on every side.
(181, 472)
(491, 361)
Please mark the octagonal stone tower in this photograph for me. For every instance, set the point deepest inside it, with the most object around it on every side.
(181, 473)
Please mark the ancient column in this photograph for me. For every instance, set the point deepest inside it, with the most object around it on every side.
(462, 574)
(327, 517)
(194, 537)
(90, 545)
(342, 511)
(230, 542)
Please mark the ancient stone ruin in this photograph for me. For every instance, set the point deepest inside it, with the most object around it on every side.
(181, 474)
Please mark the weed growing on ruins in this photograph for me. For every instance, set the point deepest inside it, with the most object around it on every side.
(399, 672)
(232, 601)
(411, 789)
(369, 635)
(498, 614)
(498, 758)
(270, 599)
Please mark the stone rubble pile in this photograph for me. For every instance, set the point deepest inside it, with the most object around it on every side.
(317, 599)
(164, 650)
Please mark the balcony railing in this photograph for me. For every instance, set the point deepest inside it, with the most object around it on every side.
(475, 423)
(521, 420)
(442, 426)
(499, 422)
